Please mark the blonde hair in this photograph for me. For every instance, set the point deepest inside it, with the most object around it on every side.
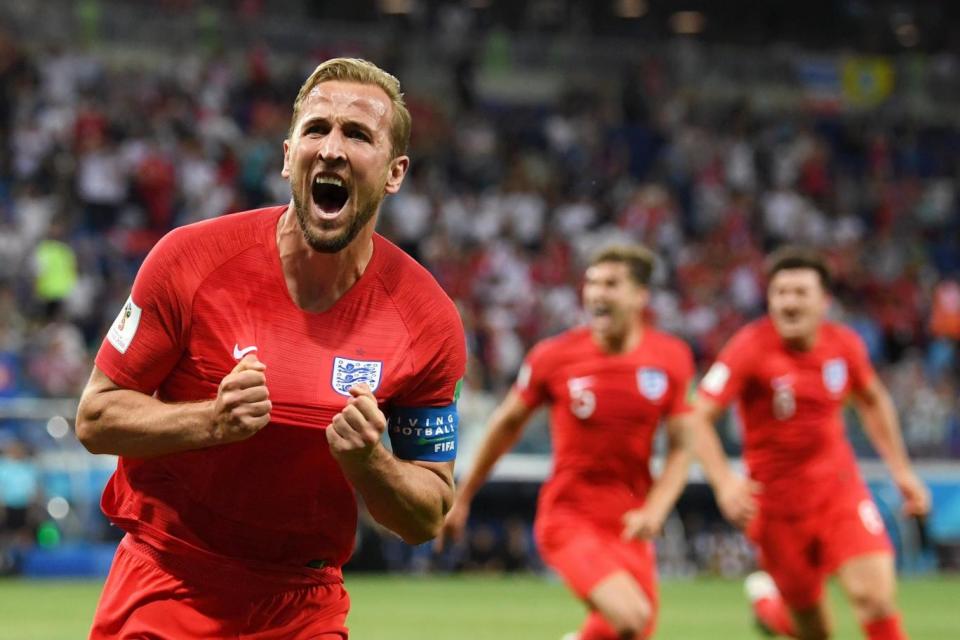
(639, 260)
(362, 72)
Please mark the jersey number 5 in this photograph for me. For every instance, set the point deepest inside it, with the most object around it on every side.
(582, 400)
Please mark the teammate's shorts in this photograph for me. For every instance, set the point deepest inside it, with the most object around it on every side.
(584, 555)
(800, 553)
(144, 599)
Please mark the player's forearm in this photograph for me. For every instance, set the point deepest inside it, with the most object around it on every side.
(882, 426)
(408, 499)
(665, 491)
(129, 423)
(707, 449)
(502, 434)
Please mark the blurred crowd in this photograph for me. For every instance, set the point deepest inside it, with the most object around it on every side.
(103, 151)
(504, 203)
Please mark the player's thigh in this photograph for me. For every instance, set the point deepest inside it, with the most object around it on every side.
(584, 555)
(141, 600)
(790, 553)
(614, 577)
(869, 582)
(852, 529)
(859, 551)
(306, 613)
(575, 552)
(622, 602)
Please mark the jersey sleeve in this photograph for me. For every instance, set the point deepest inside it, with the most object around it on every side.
(441, 358)
(531, 384)
(725, 379)
(682, 383)
(423, 421)
(146, 340)
(861, 369)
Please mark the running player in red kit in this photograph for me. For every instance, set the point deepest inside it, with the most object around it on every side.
(247, 381)
(805, 504)
(608, 387)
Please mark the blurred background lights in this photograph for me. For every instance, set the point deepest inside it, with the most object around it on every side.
(688, 22)
(397, 7)
(630, 8)
(908, 35)
(58, 508)
(58, 427)
(48, 535)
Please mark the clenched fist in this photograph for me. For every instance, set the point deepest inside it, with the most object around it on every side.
(454, 525)
(643, 524)
(737, 499)
(242, 406)
(355, 432)
(916, 495)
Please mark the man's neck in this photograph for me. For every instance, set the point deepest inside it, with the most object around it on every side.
(802, 343)
(317, 280)
(623, 342)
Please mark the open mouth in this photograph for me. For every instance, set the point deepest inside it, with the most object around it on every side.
(329, 193)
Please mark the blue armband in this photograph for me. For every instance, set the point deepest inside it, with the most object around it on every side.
(424, 433)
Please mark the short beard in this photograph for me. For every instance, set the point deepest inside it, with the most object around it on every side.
(340, 242)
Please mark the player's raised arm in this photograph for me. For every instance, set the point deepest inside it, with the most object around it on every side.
(734, 493)
(119, 421)
(502, 432)
(879, 417)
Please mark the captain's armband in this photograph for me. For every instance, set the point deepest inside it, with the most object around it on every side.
(424, 433)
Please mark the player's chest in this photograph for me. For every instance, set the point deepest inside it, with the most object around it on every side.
(620, 390)
(795, 384)
(312, 359)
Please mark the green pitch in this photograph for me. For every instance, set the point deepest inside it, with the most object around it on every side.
(481, 608)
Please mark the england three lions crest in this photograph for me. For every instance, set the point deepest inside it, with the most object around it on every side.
(835, 375)
(652, 383)
(347, 373)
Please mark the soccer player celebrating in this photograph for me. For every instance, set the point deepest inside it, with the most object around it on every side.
(608, 386)
(247, 381)
(805, 505)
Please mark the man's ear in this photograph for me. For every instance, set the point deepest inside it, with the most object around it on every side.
(285, 172)
(398, 170)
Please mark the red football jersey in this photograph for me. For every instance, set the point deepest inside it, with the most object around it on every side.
(211, 292)
(604, 411)
(790, 404)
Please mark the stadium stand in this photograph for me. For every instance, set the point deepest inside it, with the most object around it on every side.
(534, 143)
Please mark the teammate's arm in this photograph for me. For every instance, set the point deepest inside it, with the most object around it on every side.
(502, 432)
(882, 426)
(647, 521)
(119, 421)
(734, 493)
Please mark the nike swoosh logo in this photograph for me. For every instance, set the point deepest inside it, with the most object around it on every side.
(239, 353)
